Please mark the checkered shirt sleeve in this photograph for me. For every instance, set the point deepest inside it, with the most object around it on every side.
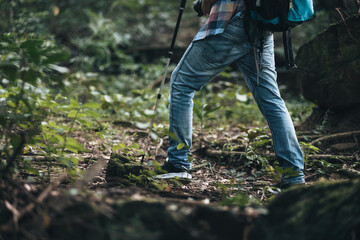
(220, 15)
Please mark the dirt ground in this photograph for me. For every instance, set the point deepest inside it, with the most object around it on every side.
(219, 173)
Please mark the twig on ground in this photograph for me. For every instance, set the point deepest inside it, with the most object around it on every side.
(334, 136)
(216, 153)
(43, 195)
(159, 146)
(349, 172)
(346, 26)
(203, 165)
(92, 172)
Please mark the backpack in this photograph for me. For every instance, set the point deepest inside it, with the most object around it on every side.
(279, 16)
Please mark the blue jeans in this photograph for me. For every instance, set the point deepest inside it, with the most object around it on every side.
(202, 61)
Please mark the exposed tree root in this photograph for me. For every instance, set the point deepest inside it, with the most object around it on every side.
(217, 153)
(350, 173)
(334, 137)
(18, 214)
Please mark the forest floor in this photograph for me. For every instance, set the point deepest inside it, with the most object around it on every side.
(223, 165)
(228, 173)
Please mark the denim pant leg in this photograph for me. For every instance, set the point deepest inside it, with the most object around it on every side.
(201, 62)
(267, 96)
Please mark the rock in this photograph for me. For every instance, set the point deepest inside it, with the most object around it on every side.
(333, 120)
(324, 211)
(120, 167)
(329, 66)
(122, 170)
(126, 171)
(214, 223)
(328, 75)
(136, 220)
(146, 219)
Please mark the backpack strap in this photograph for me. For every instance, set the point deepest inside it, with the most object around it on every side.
(286, 50)
(258, 42)
(289, 55)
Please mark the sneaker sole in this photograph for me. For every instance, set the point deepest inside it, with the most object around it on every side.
(183, 175)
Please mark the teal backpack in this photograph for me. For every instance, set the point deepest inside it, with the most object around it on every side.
(279, 16)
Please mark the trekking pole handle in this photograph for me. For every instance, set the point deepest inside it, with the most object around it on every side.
(182, 7)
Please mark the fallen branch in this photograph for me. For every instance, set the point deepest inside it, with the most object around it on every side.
(91, 172)
(216, 153)
(159, 146)
(346, 26)
(21, 213)
(335, 136)
(351, 173)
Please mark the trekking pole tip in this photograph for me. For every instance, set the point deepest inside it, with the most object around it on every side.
(142, 158)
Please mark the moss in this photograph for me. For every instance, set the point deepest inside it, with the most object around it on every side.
(329, 50)
(327, 66)
(126, 171)
(120, 167)
(80, 220)
(136, 220)
(323, 211)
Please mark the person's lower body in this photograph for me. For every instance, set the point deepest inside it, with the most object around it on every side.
(202, 61)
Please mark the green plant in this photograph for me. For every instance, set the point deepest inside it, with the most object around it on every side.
(132, 151)
(27, 63)
(255, 138)
(240, 200)
(308, 149)
(203, 111)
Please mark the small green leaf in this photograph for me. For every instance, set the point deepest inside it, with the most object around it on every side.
(119, 146)
(74, 104)
(58, 139)
(91, 105)
(52, 123)
(73, 145)
(92, 113)
(31, 170)
(135, 145)
(86, 123)
(210, 110)
(74, 160)
(197, 102)
(30, 76)
(15, 141)
(100, 135)
(180, 146)
(198, 113)
(9, 70)
(31, 47)
(56, 57)
(72, 114)
(173, 136)
(11, 104)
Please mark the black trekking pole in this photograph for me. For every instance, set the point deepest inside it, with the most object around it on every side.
(182, 7)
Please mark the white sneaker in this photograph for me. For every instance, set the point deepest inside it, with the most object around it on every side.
(184, 175)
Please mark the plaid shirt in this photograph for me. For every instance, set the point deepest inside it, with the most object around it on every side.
(221, 13)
